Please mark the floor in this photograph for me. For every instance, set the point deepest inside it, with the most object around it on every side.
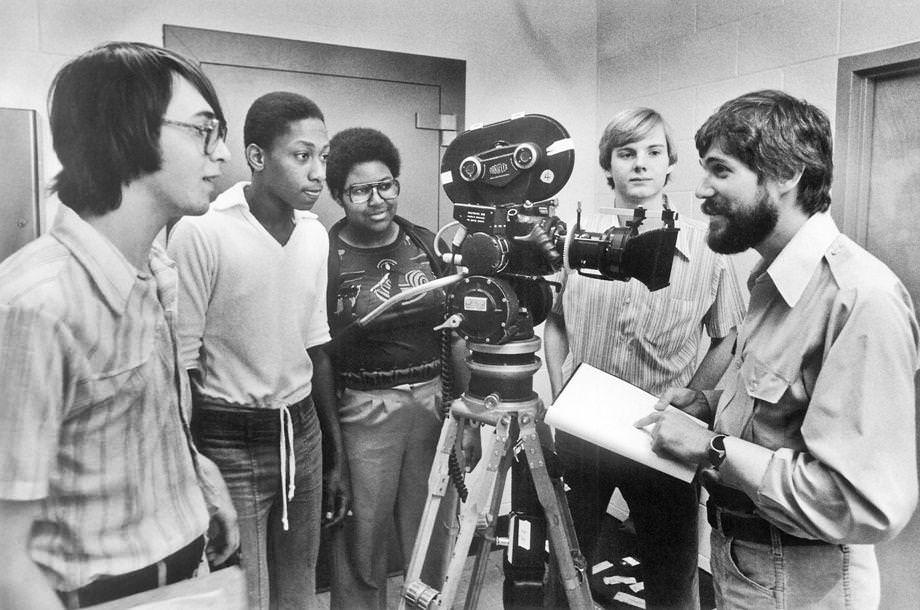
(623, 593)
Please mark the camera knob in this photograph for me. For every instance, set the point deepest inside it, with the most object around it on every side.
(524, 157)
(470, 169)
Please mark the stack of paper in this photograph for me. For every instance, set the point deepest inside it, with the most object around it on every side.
(601, 409)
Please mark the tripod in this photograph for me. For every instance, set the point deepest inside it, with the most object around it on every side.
(513, 413)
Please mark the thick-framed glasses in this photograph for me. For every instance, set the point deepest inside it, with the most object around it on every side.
(361, 193)
(212, 132)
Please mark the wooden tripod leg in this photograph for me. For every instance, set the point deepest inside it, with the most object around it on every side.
(572, 566)
(478, 502)
(438, 479)
(500, 450)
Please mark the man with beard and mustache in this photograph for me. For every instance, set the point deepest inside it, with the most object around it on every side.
(810, 459)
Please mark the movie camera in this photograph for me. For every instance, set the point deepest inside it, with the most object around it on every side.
(502, 179)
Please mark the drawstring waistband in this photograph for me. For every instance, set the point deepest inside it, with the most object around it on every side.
(288, 461)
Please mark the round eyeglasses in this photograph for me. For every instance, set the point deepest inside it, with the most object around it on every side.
(361, 193)
(212, 131)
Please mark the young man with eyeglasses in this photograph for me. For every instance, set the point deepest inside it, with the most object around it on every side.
(102, 493)
(253, 322)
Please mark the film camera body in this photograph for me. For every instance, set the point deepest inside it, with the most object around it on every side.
(502, 179)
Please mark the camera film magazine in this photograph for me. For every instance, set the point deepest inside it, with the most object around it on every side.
(601, 408)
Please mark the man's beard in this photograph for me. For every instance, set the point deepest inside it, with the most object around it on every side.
(743, 228)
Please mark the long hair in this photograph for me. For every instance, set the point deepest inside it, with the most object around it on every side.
(106, 109)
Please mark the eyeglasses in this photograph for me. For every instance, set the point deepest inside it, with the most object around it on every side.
(212, 131)
(361, 193)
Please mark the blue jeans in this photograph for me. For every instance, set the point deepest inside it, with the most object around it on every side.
(245, 443)
(753, 576)
(663, 509)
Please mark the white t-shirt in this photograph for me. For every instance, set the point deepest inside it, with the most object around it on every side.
(249, 307)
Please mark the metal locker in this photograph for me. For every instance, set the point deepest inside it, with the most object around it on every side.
(20, 192)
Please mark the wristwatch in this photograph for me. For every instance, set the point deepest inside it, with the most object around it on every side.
(717, 450)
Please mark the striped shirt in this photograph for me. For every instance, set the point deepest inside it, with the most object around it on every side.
(90, 406)
(650, 339)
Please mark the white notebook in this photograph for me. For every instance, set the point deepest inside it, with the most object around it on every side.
(601, 409)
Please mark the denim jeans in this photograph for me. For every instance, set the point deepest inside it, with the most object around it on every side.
(280, 565)
(753, 576)
(663, 509)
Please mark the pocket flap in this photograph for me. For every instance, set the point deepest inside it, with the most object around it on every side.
(761, 382)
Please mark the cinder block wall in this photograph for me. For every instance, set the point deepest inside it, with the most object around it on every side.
(685, 57)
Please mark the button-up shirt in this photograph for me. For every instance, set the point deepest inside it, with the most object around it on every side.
(651, 339)
(823, 382)
(90, 406)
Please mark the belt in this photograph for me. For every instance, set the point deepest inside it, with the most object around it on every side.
(181, 565)
(379, 380)
(742, 523)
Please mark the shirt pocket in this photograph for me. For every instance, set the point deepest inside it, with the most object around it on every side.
(761, 382)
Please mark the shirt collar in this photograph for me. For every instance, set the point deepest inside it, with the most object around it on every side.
(235, 197)
(794, 266)
(106, 265)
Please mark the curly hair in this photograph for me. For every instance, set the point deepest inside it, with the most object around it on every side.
(357, 145)
(776, 135)
(106, 108)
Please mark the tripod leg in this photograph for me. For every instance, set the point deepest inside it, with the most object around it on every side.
(500, 460)
(572, 566)
(481, 498)
(437, 485)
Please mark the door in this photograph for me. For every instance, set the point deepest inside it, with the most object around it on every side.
(404, 96)
(877, 186)
(345, 102)
(20, 204)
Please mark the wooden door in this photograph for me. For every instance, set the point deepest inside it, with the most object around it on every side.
(876, 199)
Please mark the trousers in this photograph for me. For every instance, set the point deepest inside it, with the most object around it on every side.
(390, 439)
(754, 576)
(279, 514)
(663, 509)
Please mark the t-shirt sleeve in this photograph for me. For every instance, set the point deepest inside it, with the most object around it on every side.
(35, 389)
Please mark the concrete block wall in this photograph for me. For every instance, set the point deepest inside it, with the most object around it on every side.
(521, 56)
(686, 57)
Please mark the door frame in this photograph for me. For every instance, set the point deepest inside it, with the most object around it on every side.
(857, 76)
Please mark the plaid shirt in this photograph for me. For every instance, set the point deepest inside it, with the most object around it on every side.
(651, 339)
(90, 406)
